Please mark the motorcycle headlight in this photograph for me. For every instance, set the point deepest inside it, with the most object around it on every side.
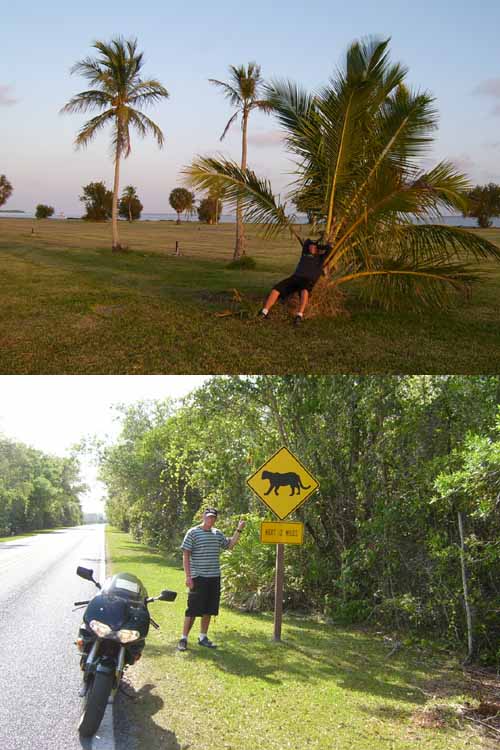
(100, 628)
(127, 636)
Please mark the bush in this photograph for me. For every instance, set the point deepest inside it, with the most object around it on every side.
(248, 572)
(43, 211)
(245, 263)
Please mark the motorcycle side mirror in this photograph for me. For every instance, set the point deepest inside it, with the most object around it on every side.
(88, 574)
(167, 596)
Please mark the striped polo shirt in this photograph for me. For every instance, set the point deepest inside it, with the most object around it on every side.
(205, 548)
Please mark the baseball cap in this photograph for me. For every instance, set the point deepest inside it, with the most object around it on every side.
(210, 512)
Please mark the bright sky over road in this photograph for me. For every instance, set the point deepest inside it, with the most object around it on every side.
(53, 412)
(451, 49)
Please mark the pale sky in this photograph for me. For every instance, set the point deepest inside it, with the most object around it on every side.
(53, 412)
(450, 47)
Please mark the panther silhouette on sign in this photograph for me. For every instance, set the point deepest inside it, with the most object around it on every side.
(277, 480)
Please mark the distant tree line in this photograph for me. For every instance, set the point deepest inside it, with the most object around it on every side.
(404, 531)
(37, 491)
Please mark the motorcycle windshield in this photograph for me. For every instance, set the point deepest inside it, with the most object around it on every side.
(111, 610)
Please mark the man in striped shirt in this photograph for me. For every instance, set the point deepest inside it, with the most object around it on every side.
(201, 550)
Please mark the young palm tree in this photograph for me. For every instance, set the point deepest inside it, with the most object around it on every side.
(357, 146)
(120, 92)
(244, 93)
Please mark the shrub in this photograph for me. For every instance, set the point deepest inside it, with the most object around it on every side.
(43, 211)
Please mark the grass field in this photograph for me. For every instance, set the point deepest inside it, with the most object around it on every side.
(68, 305)
(323, 687)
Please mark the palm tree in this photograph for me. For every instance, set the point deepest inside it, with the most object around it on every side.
(181, 200)
(119, 91)
(357, 146)
(244, 93)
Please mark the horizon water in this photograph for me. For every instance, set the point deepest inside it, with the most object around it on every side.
(452, 220)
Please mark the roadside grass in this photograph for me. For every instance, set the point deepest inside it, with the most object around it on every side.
(68, 305)
(322, 687)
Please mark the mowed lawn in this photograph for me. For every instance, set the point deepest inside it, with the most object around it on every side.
(68, 305)
(323, 687)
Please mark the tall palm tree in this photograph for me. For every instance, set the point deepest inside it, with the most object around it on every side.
(120, 92)
(244, 92)
(357, 146)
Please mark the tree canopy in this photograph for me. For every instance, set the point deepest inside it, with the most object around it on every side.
(382, 540)
(6, 189)
(181, 200)
(130, 207)
(209, 210)
(43, 211)
(37, 491)
(483, 203)
(98, 201)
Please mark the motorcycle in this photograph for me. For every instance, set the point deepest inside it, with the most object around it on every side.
(111, 637)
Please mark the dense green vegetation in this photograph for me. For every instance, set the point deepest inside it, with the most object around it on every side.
(324, 687)
(37, 491)
(405, 528)
(68, 306)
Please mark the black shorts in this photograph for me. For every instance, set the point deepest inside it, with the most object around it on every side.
(292, 284)
(204, 597)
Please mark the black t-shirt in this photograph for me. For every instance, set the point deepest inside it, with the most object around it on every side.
(310, 266)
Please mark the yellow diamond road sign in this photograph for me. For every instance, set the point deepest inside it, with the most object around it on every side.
(283, 483)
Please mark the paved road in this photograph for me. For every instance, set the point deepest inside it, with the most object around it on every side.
(39, 665)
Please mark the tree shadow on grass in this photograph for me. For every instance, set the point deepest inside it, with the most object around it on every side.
(134, 724)
(313, 654)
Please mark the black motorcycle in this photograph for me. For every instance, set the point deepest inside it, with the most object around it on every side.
(111, 637)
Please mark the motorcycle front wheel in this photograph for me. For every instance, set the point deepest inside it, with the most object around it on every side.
(96, 701)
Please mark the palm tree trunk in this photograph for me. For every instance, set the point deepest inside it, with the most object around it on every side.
(239, 249)
(114, 212)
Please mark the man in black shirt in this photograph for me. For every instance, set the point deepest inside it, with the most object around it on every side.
(303, 279)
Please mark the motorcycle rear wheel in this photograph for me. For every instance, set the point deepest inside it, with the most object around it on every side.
(95, 703)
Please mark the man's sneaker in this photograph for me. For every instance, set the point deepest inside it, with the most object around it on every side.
(262, 315)
(182, 645)
(298, 320)
(206, 642)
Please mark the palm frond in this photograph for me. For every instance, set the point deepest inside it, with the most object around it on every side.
(229, 92)
(423, 242)
(87, 100)
(244, 188)
(145, 126)
(92, 127)
(397, 285)
(147, 93)
(228, 125)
